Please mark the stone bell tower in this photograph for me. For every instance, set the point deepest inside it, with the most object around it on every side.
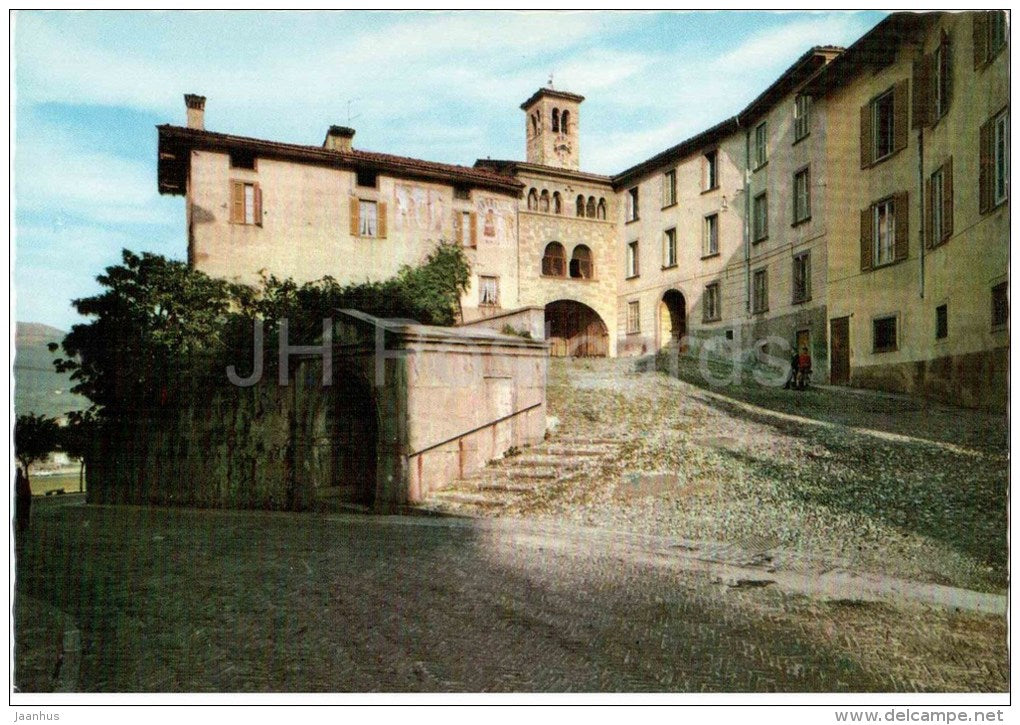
(553, 120)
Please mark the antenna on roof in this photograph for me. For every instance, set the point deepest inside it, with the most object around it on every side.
(350, 118)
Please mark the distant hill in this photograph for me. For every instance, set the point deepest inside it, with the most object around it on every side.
(38, 388)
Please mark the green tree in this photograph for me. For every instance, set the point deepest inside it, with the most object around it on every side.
(35, 437)
(76, 438)
(157, 319)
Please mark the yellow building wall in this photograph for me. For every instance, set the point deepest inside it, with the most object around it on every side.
(306, 232)
(965, 367)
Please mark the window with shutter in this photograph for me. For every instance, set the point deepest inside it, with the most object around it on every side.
(801, 117)
(710, 307)
(245, 203)
(632, 260)
(802, 196)
(867, 242)
(760, 218)
(802, 277)
(368, 219)
(884, 232)
(761, 290)
(633, 317)
(488, 291)
(669, 248)
(710, 238)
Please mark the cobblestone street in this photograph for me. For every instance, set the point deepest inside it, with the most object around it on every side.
(222, 601)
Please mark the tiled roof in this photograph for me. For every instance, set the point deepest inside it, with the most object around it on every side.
(171, 166)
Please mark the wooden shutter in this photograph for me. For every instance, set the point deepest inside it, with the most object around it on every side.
(985, 168)
(947, 199)
(355, 216)
(947, 53)
(867, 239)
(901, 119)
(807, 277)
(473, 223)
(980, 39)
(258, 205)
(237, 202)
(929, 233)
(921, 111)
(866, 135)
(901, 212)
(458, 227)
(381, 219)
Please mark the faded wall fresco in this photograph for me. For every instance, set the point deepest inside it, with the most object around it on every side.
(419, 209)
(497, 221)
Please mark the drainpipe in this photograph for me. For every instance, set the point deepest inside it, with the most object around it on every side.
(920, 195)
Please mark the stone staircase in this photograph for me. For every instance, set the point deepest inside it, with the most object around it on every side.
(522, 477)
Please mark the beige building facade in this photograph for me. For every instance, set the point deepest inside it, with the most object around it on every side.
(806, 220)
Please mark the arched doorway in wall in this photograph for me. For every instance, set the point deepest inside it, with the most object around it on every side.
(353, 430)
(575, 330)
(672, 319)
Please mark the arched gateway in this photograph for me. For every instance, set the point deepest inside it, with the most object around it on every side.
(575, 330)
(672, 319)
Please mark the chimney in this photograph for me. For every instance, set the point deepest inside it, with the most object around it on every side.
(339, 138)
(196, 110)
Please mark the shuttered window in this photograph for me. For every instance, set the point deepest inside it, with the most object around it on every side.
(761, 290)
(368, 218)
(939, 205)
(669, 188)
(884, 124)
(993, 162)
(989, 36)
(801, 117)
(245, 203)
(802, 196)
(669, 248)
(710, 236)
(884, 232)
(632, 260)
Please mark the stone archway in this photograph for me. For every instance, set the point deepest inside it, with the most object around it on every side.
(575, 330)
(672, 319)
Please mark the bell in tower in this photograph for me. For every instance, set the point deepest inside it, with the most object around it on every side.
(552, 128)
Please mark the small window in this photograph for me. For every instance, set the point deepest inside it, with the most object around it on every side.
(882, 121)
(711, 166)
(761, 146)
(941, 322)
(669, 248)
(533, 200)
(543, 201)
(633, 317)
(600, 212)
(729, 334)
(801, 117)
(710, 236)
(802, 277)
(632, 204)
(557, 203)
(580, 205)
(669, 188)
(589, 210)
(802, 196)
(884, 232)
(581, 266)
(556, 120)
(245, 203)
(996, 32)
(367, 178)
(240, 159)
(761, 217)
(368, 218)
(462, 192)
(632, 260)
(710, 303)
(884, 334)
(761, 290)
(488, 291)
(1000, 305)
(990, 35)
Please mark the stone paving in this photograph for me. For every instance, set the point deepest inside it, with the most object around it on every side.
(199, 601)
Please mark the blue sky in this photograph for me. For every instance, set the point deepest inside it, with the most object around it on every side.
(90, 87)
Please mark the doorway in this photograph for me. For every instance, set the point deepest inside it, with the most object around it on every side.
(839, 355)
(672, 319)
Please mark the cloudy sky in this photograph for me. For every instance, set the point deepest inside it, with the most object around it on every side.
(90, 87)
